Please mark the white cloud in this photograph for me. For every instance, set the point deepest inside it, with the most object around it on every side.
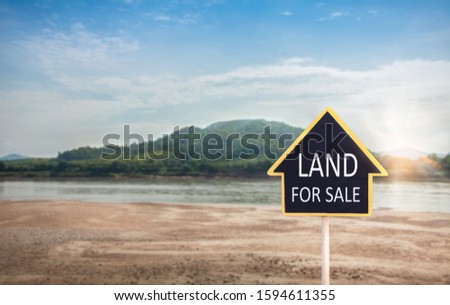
(162, 17)
(400, 104)
(41, 123)
(184, 19)
(286, 13)
(296, 61)
(77, 49)
(337, 14)
(395, 105)
(333, 16)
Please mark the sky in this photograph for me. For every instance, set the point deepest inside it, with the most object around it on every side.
(74, 71)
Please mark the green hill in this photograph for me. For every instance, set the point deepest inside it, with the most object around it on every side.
(230, 139)
(232, 148)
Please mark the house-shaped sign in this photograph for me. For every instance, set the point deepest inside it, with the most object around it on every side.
(327, 171)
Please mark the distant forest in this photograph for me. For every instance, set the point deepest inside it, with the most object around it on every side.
(247, 158)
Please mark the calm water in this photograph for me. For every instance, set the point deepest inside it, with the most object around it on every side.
(406, 196)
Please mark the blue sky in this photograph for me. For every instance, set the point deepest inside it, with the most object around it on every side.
(72, 71)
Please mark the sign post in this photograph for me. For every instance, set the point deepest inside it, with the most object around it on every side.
(326, 172)
(325, 250)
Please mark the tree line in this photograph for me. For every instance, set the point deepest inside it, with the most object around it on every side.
(135, 161)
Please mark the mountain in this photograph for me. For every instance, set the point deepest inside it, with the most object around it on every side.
(250, 126)
(230, 148)
(12, 157)
(405, 152)
(234, 138)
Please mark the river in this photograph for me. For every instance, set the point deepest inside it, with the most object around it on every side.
(400, 196)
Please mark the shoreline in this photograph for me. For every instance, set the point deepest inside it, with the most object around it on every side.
(73, 242)
(275, 206)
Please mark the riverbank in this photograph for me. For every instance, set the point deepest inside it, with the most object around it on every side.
(71, 242)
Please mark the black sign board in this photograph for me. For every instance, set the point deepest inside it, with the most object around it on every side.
(327, 171)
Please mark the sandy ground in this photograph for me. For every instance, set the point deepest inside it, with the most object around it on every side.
(67, 242)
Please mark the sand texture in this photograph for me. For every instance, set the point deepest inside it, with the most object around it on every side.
(69, 242)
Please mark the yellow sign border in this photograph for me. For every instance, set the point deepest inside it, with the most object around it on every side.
(381, 169)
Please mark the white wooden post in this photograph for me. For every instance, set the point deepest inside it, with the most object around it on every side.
(325, 250)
